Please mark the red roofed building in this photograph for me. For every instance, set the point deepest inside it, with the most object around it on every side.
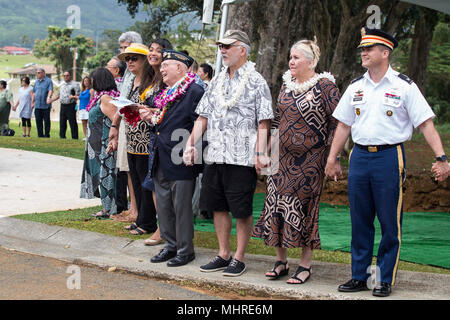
(15, 50)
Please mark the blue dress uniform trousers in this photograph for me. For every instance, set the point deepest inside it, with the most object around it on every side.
(375, 187)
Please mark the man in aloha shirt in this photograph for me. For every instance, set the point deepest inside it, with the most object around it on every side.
(236, 112)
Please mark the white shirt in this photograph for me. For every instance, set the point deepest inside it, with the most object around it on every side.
(65, 91)
(384, 112)
(232, 133)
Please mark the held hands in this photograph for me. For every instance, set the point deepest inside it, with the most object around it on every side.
(261, 161)
(113, 140)
(441, 170)
(146, 113)
(333, 168)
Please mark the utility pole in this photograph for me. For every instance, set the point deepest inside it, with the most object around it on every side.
(75, 56)
(223, 27)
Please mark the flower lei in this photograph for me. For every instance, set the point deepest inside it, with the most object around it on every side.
(98, 95)
(148, 93)
(164, 100)
(291, 85)
(131, 115)
(229, 103)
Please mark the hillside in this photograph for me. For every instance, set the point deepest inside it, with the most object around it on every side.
(28, 20)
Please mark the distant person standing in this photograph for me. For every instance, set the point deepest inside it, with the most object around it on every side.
(42, 93)
(85, 96)
(6, 101)
(24, 104)
(68, 95)
(205, 72)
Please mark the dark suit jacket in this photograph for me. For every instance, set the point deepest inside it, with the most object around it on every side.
(180, 116)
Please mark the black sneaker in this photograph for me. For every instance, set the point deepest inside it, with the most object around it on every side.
(234, 269)
(216, 264)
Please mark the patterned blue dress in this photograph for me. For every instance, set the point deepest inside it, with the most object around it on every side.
(99, 170)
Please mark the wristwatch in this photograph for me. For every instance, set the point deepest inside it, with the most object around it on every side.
(260, 153)
(113, 126)
(442, 158)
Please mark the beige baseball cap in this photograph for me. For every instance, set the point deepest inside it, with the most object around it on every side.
(232, 36)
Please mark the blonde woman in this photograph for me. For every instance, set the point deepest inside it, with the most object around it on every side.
(290, 217)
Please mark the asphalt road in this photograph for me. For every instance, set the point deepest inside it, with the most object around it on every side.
(30, 277)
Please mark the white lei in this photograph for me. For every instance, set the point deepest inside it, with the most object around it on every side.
(230, 103)
(298, 88)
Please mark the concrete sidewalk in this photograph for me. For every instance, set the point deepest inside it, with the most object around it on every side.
(36, 182)
(82, 247)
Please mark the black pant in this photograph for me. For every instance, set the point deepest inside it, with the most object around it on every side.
(42, 116)
(26, 122)
(146, 218)
(121, 191)
(68, 112)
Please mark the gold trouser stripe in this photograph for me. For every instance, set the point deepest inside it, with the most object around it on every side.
(399, 208)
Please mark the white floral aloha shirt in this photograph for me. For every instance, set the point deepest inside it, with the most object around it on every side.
(232, 132)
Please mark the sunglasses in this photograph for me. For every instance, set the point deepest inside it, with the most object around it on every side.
(228, 46)
(131, 58)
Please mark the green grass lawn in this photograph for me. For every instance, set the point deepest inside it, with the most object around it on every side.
(80, 218)
(54, 145)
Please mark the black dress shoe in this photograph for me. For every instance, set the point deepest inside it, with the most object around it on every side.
(382, 289)
(353, 286)
(181, 260)
(163, 255)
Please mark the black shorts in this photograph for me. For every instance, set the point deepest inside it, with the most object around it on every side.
(227, 187)
(26, 122)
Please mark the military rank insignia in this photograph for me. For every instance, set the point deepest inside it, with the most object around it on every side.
(358, 96)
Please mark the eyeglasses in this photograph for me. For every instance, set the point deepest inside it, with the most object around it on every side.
(131, 58)
(228, 46)
(166, 64)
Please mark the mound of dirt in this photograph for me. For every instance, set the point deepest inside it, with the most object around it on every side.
(421, 192)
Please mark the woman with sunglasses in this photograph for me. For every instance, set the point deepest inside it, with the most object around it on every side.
(144, 85)
(290, 217)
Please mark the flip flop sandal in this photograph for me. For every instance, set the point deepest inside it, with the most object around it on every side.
(152, 242)
(300, 269)
(277, 275)
(131, 226)
(100, 215)
(138, 232)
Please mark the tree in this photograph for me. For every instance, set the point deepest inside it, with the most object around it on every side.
(274, 26)
(57, 46)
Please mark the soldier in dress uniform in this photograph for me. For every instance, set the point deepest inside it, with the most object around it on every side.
(380, 110)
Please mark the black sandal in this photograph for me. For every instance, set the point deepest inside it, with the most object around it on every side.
(300, 269)
(101, 215)
(131, 226)
(282, 273)
(138, 231)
